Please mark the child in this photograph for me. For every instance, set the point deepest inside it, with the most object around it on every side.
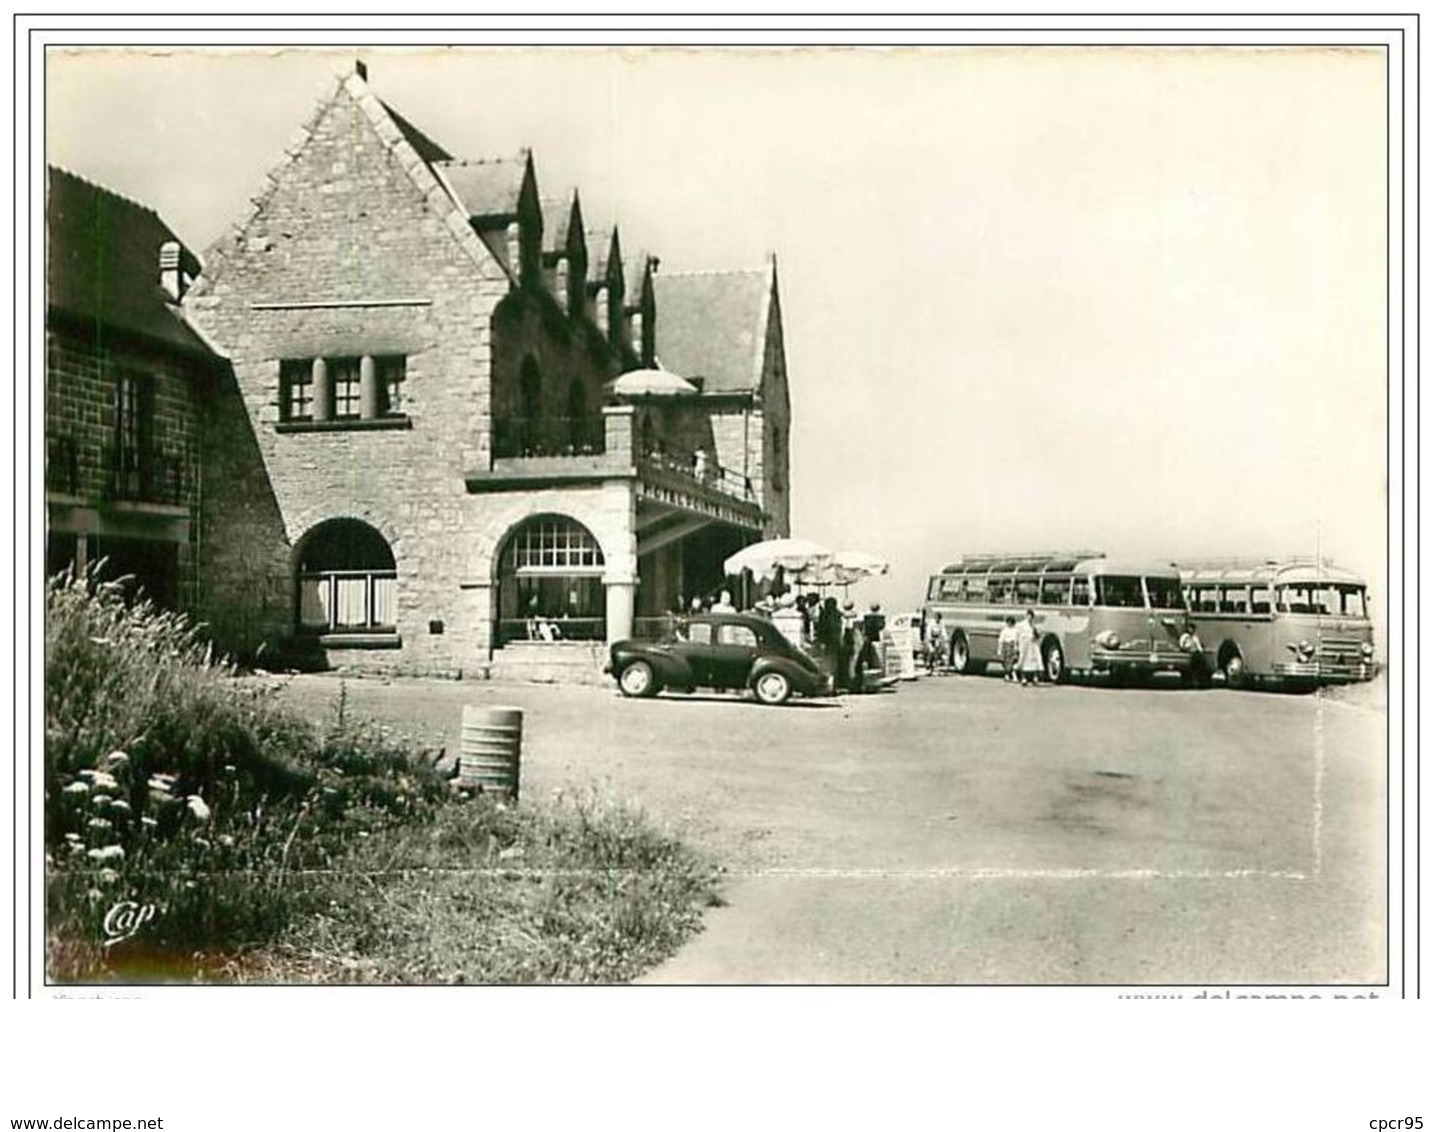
(1009, 648)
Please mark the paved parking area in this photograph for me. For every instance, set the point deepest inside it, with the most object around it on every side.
(962, 830)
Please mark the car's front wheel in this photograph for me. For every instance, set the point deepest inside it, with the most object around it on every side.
(638, 679)
(772, 688)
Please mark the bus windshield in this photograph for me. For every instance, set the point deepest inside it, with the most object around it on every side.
(1119, 591)
(1344, 601)
(1165, 593)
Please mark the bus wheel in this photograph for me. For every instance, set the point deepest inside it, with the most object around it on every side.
(959, 654)
(1054, 662)
(1235, 675)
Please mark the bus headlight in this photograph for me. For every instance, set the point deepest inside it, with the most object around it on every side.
(1367, 650)
(1108, 639)
(1304, 650)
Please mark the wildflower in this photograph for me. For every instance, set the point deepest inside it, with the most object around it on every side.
(100, 780)
(108, 876)
(72, 837)
(197, 807)
(149, 821)
(162, 783)
(119, 804)
(77, 846)
(116, 759)
(108, 853)
(76, 787)
(100, 823)
(226, 841)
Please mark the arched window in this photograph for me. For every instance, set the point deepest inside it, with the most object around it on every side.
(579, 431)
(550, 583)
(530, 391)
(347, 580)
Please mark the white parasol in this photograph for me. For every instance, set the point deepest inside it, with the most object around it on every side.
(795, 556)
(847, 567)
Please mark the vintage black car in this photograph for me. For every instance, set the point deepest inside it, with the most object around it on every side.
(718, 650)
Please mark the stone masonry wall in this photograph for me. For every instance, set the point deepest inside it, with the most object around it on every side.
(345, 254)
(81, 382)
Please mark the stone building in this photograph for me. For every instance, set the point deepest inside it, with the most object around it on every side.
(465, 429)
(125, 381)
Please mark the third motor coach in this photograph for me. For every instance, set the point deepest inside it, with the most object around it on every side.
(1095, 615)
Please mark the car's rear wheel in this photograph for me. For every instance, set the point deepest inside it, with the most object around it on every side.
(638, 679)
(773, 688)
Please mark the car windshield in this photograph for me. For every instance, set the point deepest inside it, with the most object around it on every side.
(1165, 593)
(1120, 591)
(1344, 601)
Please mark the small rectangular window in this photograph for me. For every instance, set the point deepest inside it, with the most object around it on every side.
(1080, 591)
(296, 390)
(390, 373)
(699, 633)
(347, 388)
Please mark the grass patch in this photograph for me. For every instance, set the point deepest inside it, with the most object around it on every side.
(571, 891)
(261, 846)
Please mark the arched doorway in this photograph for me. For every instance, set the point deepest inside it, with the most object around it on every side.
(347, 580)
(550, 583)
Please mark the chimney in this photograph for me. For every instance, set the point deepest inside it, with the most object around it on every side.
(171, 272)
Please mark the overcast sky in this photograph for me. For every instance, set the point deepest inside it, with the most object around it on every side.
(1128, 299)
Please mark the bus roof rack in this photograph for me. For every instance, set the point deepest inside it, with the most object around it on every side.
(1021, 560)
(1233, 562)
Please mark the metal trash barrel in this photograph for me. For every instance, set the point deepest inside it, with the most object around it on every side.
(490, 753)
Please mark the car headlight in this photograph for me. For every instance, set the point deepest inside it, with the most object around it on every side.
(1108, 639)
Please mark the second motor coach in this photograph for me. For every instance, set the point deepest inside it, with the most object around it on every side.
(1095, 615)
(1294, 622)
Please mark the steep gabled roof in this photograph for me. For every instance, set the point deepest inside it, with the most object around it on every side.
(103, 265)
(418, 155)
(557, 213)
(487, 189)
(426, 148)
(712, 325)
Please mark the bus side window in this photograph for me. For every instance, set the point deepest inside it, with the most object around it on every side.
(1080, 590)
(1259, 601)
(1233, 601)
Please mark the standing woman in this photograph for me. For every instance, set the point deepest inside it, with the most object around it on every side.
(1029, 642)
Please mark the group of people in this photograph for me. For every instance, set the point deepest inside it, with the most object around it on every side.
(1018, 648)
(846, 642)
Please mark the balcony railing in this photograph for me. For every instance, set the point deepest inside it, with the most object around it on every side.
(700, 465)
(548, 436)
(135, 476)
(62, 465)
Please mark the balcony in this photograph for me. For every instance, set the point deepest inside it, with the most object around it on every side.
(137, 476)
(525, 437)
(562, 452)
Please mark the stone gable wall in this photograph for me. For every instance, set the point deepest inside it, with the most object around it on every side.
(345, 255)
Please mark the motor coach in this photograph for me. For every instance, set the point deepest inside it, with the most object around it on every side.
(1291, 622)
(1096, 616)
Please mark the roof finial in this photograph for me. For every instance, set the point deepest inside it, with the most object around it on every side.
(360, 68)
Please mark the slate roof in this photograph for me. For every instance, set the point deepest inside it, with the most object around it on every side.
(103, 263)
(486, 188)
(711, 325)
(557, 219)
